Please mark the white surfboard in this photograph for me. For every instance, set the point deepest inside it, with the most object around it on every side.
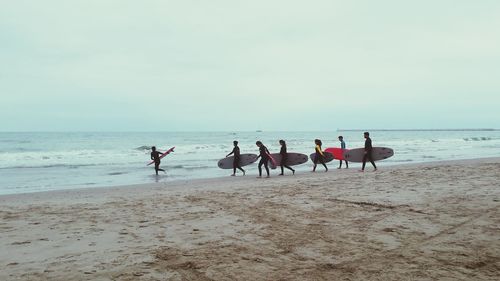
(292, 158)
(378, 153)
(245, 159)
(327, 156)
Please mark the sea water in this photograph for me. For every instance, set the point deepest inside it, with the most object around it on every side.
(31, 162)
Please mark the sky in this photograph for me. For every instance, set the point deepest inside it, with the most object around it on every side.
(229, 65)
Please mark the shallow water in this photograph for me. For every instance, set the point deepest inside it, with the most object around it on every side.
(49, 161)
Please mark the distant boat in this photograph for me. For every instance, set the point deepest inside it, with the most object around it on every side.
(259, 131)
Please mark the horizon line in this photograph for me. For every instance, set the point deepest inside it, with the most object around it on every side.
(420, 130)
(261, 131)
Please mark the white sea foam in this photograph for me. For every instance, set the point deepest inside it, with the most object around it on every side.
(46, 161)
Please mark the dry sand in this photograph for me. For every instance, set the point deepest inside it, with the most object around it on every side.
(436, 221)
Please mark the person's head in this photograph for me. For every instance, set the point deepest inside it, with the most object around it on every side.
(153, 148)
(366, 134)
(282, 142)
(258, 143)
(341, 138)
(235, 143)
(318, 142)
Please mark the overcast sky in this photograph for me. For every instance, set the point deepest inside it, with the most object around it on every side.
(245, 65)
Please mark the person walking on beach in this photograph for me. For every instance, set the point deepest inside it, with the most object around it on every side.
(236, 161)
(264, 158)
(342, 146)
(319, 156)
(155, 156)
(284, 158)
(368, 152)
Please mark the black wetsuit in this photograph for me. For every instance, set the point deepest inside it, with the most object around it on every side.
(342, 146)
(155, 156)
(236, 161)
(368, 153)
(264, 158)
(284, 159)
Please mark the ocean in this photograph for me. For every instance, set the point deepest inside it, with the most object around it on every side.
(32, 162)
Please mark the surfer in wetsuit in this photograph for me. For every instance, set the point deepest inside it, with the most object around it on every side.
(319, 156)
(264, 158)
(368, 152)
(342, 146)
(236, 161)
(284, 158)
(155, 156)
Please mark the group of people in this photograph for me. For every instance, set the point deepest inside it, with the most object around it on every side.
(319, 156)
(265, 156)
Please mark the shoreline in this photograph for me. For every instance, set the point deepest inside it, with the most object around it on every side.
(197, 181)
(434, 221)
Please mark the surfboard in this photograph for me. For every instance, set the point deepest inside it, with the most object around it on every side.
(272, 161)
(292, 158)
(163, 155)
(328, 156)
(337, 152)
(245, 159)
(378, 153)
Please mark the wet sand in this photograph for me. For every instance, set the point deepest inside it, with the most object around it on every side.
(434, 221)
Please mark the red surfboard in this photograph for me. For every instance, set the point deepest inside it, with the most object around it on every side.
(163, 155)
(273, 162)
(338, 153)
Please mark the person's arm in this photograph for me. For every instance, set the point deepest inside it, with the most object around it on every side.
(231, 152)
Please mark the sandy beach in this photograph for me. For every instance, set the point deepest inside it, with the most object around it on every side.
(433, 221)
